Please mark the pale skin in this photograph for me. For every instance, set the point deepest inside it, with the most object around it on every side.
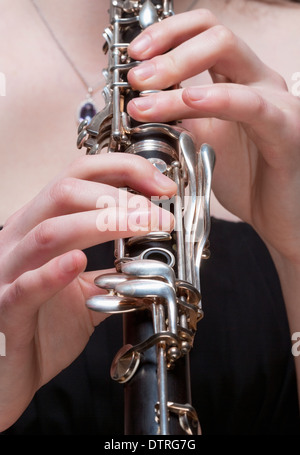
(250, 118)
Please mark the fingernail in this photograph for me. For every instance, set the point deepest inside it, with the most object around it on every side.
(143, 103)
(140, 44)
(67, 263)
(196, 93)
(144, 71)
(163, 181)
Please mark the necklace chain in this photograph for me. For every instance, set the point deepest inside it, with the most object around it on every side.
(87, 108)
(89, 88)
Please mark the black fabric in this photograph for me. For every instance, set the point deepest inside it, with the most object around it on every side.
(243, 376)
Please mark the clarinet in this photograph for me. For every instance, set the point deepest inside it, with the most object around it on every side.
(156, 285)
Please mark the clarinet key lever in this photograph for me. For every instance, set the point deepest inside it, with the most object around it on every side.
(156, 286)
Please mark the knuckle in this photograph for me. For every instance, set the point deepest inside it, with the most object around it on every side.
(261, 105)
(280, 81)
(168, 66)
(224, 36)
(17, 290)
(62, 192)
(44, 234)
(205, 15)
(13, 294)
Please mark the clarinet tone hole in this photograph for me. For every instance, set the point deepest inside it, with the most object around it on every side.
(159, 254)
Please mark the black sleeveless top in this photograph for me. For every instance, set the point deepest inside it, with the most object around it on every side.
(242, 368)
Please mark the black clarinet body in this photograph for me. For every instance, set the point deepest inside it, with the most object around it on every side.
(157, 281)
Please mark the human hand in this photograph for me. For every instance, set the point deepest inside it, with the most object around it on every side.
(43, 286)
(246, 114)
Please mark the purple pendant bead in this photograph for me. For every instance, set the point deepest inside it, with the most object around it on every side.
(87, 111)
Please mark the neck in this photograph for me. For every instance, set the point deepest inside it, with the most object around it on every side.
(78, 13)
(88, 16)
(78, 26)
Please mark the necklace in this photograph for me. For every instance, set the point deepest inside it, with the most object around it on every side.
(87, 108)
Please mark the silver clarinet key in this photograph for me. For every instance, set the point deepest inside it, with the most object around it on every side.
(156, 285)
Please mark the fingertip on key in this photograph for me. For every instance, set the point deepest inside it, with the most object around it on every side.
(165, 183)
(140, 46)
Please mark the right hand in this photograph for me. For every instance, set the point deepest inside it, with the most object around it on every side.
(43, 286)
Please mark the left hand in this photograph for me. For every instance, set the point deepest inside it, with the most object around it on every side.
(246, 114)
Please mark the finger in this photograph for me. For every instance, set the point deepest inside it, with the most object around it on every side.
(242, 104)
(165, 106)
(170, 33)
(65, 196)
(56, 236)
(265, 116)
(77, 190)
(216, 49)
(123, 170)
(23, 298)
(231, 102)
